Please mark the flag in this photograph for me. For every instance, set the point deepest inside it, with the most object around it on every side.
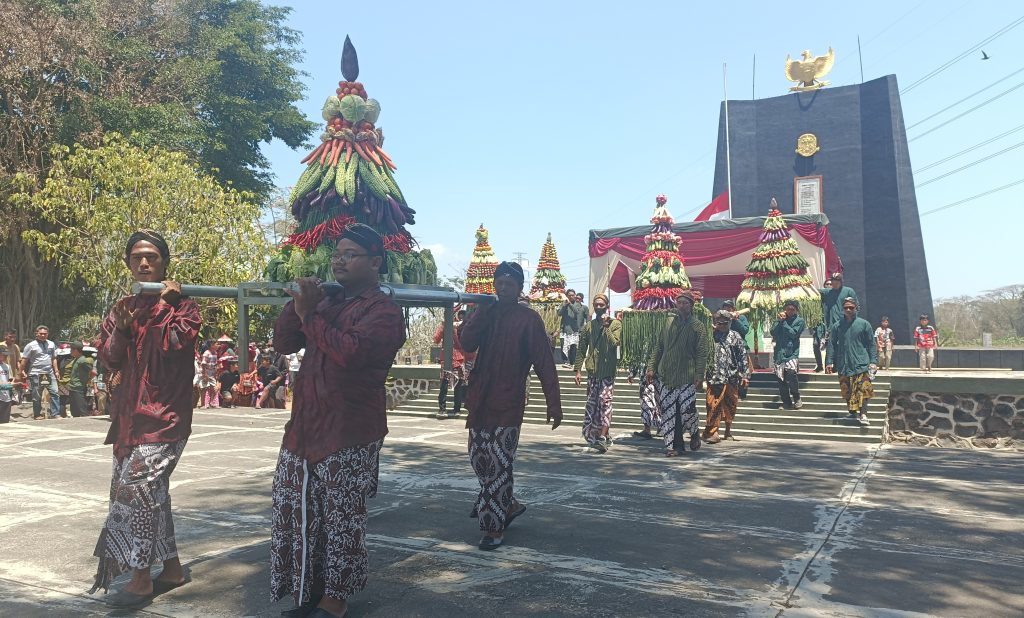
(717, 209)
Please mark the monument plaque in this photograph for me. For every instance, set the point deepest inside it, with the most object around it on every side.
(807, 195)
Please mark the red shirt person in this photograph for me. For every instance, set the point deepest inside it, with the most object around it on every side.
(149, 341)
(508, 338)
(458, 377)
(328, 461)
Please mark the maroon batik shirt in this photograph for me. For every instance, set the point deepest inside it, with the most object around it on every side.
(156, 361)
(339, 399)
(507, 341)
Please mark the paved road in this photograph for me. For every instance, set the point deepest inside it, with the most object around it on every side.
(753, 528)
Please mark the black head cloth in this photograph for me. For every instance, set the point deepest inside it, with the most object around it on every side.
(367, 238)
(149, 236)
(510, 269)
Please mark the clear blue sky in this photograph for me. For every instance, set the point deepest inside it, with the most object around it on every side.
(535, 117)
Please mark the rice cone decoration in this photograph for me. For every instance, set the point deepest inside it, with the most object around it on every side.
(662, 277)
(349, 178)
(480, 275)
(777, 273)
(548, 282)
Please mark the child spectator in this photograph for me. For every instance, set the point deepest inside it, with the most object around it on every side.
(884, 339)
(926, 339)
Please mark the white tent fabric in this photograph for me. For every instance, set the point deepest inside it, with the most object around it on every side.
(602, 267)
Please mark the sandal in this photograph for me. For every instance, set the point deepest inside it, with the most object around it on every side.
(488, 543)
(671, 453)
(127, 600)
(646, 435)
(514, 514)
(161, 586)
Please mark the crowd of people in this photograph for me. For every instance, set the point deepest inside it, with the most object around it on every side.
(336, 351)
(218, 383)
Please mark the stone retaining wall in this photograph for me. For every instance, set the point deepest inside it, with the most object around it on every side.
(956, 420)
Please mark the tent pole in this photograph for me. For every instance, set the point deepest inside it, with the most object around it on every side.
(728, 159)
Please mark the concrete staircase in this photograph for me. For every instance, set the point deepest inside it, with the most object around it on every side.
(823, 416)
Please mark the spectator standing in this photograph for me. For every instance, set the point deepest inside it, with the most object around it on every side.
(574, 316)
(458, 377)
(926, 339)
(208, 381)
(14, 360)
(884, 339)
(80, 372)
(6, 385)
(39, 361)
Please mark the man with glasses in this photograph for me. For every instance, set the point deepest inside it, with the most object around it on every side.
(852, 354)
(329, 457)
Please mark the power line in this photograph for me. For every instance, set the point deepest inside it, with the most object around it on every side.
(966, 150)
(971, 50)
(975, 93)
(970, 165)
(973, 197)
(964, 113)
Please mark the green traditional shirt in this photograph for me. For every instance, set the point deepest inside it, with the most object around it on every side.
(79, 372)
(832, 304)
(681, 355)
(599, 346)
(851, 347)
(786, 334)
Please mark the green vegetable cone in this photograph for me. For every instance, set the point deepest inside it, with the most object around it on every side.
(777, 273)
(348, 179)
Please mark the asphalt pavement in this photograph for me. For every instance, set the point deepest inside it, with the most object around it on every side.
(745, 528)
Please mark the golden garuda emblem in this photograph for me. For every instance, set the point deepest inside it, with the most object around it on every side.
(809, 70)
(807, 144)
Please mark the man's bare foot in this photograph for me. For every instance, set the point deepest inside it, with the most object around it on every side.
(173, 572)
(141, 584)
(338, 607)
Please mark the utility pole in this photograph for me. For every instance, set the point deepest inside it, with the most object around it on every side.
(520, 258)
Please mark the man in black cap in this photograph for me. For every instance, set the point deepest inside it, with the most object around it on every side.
(328, 463)
(508, 338)
(149, 342)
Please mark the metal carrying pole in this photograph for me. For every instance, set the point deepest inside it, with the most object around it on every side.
(273, 294)
(419, 296)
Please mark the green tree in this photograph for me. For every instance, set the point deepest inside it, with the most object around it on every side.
(94, 198)
(211, 78)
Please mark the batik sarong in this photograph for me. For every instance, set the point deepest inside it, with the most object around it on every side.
(597, 415)
(569, 340)
(492, 454)
(856, 390)
(650, 414)
(721, 400)
(139, 531)
(678, 414)
(317, 538)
